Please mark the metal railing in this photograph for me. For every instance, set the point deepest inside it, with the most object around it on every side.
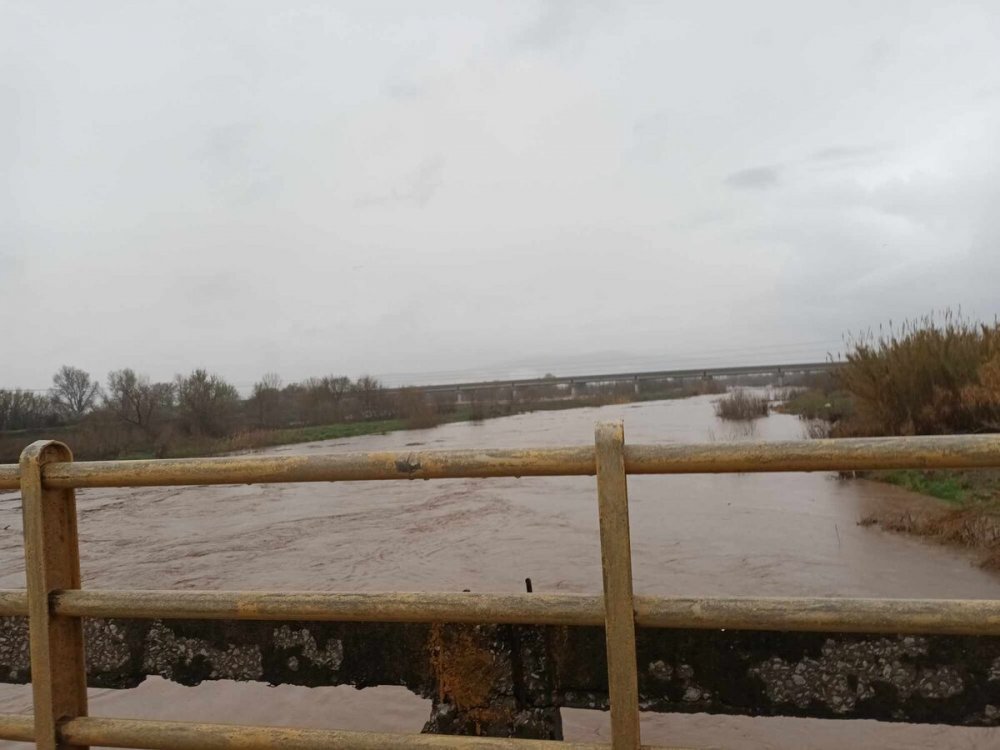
(55, 603)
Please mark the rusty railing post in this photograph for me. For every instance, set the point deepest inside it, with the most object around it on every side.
(52, 563)
(616, 565)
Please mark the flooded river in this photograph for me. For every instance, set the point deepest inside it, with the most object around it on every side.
(770, 535)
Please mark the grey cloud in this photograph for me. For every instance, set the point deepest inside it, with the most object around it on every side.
(231, 157)
(403, 89)
(880, 52)
(754, 178)
(557, 21)
(549, 148)
(227, 145)
(846, 153)
(418, 189)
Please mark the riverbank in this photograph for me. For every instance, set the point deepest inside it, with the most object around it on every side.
(967, 513)
(85, 446)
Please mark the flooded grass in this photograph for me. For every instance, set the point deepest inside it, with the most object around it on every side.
(742, 405)
(968, 517)
(968, 527)
(942, 485)
(817, 403)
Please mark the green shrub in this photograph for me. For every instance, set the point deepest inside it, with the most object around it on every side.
(818, 404)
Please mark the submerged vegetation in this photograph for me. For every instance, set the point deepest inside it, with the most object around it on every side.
(741, 404)
(966, 523)
(820, 398)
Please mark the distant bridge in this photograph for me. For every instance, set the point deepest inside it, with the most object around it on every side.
(575, 381)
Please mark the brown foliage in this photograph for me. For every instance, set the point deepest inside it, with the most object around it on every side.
(936, 375)
(417, 410)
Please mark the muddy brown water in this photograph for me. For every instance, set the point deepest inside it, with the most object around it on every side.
(769, 535)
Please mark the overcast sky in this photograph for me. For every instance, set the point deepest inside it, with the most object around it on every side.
(435, 190)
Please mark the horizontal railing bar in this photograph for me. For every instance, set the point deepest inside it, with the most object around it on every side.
(838, 454)
(910, 616)
(10, 476)
(345, 467)
(173, 735)
(17, 727)
(824, 615)
(13, 602)
(534, 609)
(855, 454)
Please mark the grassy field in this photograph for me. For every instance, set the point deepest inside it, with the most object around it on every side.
(944, 485)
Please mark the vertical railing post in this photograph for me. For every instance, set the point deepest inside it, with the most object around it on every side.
(52, 561)
(616, 563)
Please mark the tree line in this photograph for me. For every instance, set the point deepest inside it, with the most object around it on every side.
(130, 415)
(129, 411)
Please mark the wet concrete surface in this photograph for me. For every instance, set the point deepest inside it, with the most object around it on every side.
(780, 535)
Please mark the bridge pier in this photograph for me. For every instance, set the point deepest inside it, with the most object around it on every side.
(636, 385)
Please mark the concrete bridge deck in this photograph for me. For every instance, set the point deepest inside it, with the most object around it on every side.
(795, 368)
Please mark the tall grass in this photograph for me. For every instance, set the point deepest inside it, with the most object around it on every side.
(741, 404)
(935, 375)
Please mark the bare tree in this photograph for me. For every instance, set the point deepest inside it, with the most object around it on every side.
(21, 410)
(266, 398)
(370, 396)
(207, 403)
(419, 411)
(73, 392)
(137, 401)
(318, 400)
(336, 387)
(333, 389)
(271, 381)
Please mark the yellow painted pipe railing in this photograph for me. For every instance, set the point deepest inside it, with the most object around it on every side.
(862, 454)
(55, 603)
(809, 614)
